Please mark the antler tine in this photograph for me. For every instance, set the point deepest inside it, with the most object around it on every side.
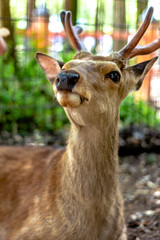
(62, 16)
(77, 29)
(127, 50)
(146, 49)
(71, 31)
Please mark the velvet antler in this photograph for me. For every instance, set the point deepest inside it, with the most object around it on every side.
(72, 32)
(131, 49)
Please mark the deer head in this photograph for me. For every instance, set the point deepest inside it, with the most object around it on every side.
(89, 86)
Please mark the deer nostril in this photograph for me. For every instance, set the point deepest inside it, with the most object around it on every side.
(66, 80)
(57, 80)
(61, 81)
(72, 79)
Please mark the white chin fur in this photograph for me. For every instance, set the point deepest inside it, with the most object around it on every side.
(68, 99)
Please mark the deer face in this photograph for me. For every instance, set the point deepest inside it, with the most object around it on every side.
(88, 85)
(91, 84)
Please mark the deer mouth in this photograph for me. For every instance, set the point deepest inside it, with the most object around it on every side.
(70, 99)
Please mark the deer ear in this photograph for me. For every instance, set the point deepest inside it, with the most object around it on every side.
(49, 65)
(140, 70)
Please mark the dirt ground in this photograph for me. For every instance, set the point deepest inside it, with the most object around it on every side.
(140, 184)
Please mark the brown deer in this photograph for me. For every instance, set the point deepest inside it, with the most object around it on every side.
(74, 194)
(4, 32)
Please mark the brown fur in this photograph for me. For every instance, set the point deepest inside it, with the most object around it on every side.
(72, 195)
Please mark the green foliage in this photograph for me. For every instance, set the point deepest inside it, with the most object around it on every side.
(67, 55)
(138, 112)
(26, 100)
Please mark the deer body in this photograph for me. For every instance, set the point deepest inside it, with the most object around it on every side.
(83, 199)
(81, 195)
(73, 194)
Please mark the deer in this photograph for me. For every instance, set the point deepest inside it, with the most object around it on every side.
(4, 32)
(74, 193)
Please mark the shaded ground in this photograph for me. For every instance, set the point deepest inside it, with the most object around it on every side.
(140, 183)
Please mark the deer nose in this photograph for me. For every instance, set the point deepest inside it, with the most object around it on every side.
(66, 81)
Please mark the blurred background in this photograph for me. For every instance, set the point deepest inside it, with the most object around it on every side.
(29, 114)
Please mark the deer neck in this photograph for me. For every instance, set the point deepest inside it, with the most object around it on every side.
(92, 159)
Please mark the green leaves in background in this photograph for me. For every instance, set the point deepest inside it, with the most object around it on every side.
(138, 112)
(27, 102)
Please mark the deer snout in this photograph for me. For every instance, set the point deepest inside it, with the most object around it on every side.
(66, 81)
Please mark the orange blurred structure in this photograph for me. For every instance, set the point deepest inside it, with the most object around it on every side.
(151, 34)
(39, 27)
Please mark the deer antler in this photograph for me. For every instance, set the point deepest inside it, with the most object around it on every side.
(72, 32)
(146, 49)
(131, 49)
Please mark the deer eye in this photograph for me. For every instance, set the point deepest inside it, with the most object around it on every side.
(114, 76)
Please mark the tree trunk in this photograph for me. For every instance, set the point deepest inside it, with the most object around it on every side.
(99, 19)
(71, 5)
(119, 24)
(31, 5)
